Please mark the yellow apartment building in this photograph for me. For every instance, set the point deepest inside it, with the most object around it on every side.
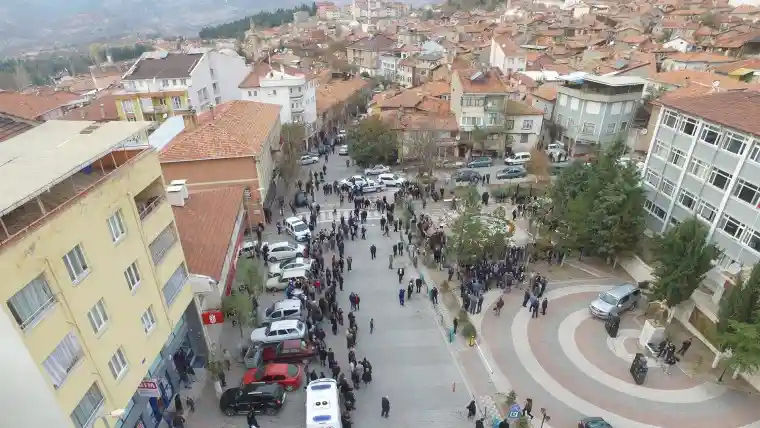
(94, 277)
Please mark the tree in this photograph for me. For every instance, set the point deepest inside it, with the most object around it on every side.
(250, 278)
(742, 302)
(96, 53)
(554, 130)
(683, 258)
(289, 165)
(372, 142)
(742, 342)
(539, 166)
(238, 309)
(710, 19)
(479, 136)
(474, 236)
(423, 148)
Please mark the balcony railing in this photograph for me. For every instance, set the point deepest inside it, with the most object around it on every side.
(163, 243)
(151, 206)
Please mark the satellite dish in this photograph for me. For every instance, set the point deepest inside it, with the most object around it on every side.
(643, 131)
(716, 84)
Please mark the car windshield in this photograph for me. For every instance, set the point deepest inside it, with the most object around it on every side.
(300, 227)
(608, 299)
(269, 310)
(598, 424)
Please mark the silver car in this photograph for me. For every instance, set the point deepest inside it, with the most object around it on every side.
(615, 301)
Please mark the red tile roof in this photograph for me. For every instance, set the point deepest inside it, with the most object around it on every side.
(10, 128)
(206, 224)
(234, 129)
(31, 106)
(738, 110)
(99, 110)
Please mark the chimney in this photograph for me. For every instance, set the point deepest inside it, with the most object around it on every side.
(191, 122)
(102, 111)
(213, 113)
(174, 195)
(183, 185)
(686, 81)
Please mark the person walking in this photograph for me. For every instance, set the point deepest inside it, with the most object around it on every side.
(471, 409)
(251, 420)
(400, 273)
(401, 296)
(385, 405)
(349, 260)
(528, 407)
(544, 305)
(390, 261)
(372, 251)
(685, 345)
(371, 325)
(456, 324)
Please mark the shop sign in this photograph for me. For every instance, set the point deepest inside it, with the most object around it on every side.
(148, 388)
(212, 317)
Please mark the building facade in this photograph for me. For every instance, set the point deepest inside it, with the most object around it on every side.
(596, 110)
(507, 56)
(163, 84)
(98, 311)
(364, 53)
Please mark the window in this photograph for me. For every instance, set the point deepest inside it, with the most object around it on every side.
(250, 93)
(688, 126)
(754, 154)
(709, 134)
(674, 221)
(611, 128)
(76, 264)
(588, 128)
(176, 103)
(752, 239)
(667, 187)
(560, 119)
(570, 123)
(510, 124)
(118, 364)
(677, 157)
(87, 407)
(174, 82)
(698, 168)
(493, 119)
(165, 83)
(687, 199)
(127, 106)
(255, 93)
(670, 119)
(63, 359)
(734, 143)
(660, 149)
(215, 87)
(719, 178)
(132, 274)
(116, 226)
(706, 211)
(163, 242)
(174, 284)
(731, 226)
(654, 209)
(623, 126)
(527, 125)
(29, 303)
(652, 178)
(183, 81)
(148, 320)
(98, 316)
(747, 192)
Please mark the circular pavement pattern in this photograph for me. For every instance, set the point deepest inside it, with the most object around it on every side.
(567, 363)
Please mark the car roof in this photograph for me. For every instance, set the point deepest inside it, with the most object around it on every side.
(265, 388)
(291, 344)
(276, 368)
(622, 289)
(280, 244)
(520, 154)
(288, 303)
(294, 220)
(284, 324)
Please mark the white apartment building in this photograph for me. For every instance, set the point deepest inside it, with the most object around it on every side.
(507, 56)
(191, 80)
(293, 89)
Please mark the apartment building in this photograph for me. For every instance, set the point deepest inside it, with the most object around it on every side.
(419, 69)
(365, 53)
(292, 89)
(507, 56)
(596, 110)
(478, 100)
(95, 281)
(165, 84)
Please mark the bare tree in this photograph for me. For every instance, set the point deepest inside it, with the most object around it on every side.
(539, 165)
(423, 148)
(288, 164)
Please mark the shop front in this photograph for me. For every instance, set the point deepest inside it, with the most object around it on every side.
(149, 405)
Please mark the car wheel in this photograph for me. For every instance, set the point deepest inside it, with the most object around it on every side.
(289, 388)
(270, 411)
(272, 259)
(229, 411)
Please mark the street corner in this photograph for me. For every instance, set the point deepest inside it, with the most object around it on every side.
(568, 364)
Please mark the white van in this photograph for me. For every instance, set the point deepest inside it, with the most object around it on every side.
(519, 158)
(288, 309)
(281, 282)
(323, 404)
(297, 228)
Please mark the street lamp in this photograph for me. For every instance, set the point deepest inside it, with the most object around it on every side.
(544, 417)
(116, 414)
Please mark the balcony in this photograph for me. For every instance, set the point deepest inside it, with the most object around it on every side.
(164, 242)
(150, 198)
(494, 106)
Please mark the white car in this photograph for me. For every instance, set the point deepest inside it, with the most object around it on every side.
(376, 170)
(343, 150)
(519, 158)
(556, 149)
(391, 180)
(298, 263)
(372, 186)
(279, 331)
(279, 251)
(309, 159)
(355, 180)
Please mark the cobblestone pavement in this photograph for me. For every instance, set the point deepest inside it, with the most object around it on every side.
(412, 362)
(568, 365)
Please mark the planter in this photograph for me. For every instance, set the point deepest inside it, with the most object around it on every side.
(651, 332)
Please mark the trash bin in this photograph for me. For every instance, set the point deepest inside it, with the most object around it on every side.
(639, 368)
(612, 325)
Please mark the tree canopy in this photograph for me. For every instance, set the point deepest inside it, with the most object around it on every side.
(682, 259)
(288, 161)
(474, 236)
(263, 19)
(739, 323)
(598, 207)
(371, 142)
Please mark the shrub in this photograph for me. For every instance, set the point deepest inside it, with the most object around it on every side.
(523, 422)
(466, 328)
(511, 398)
(445, 286)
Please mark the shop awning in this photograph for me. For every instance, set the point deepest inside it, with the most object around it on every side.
(741, 72)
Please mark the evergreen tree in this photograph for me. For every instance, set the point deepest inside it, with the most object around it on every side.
(372, 142)
(742, 340)
(742, 302)
(683, 258)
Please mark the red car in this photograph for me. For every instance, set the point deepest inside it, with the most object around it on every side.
(289, 376)
(288, 351)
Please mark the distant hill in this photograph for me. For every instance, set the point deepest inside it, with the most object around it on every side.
(236, 29)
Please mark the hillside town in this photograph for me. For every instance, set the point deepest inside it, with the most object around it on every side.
(536, 214)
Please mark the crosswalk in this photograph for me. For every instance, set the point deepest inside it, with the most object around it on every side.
(327, 216)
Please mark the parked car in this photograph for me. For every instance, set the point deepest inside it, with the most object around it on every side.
(593, 422)
(391, 180)
(466, 176)
(511, 172)
(556, 149)
(371, 186)
(287, 351)
(284, 251)
(260, 398)
(519, 158)
(480, 162)
(277, 269)
(343, 150)
(615, 301)
(377, 170)
(289, 376)
(279, 331)
(309, 159)
(287, 309)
